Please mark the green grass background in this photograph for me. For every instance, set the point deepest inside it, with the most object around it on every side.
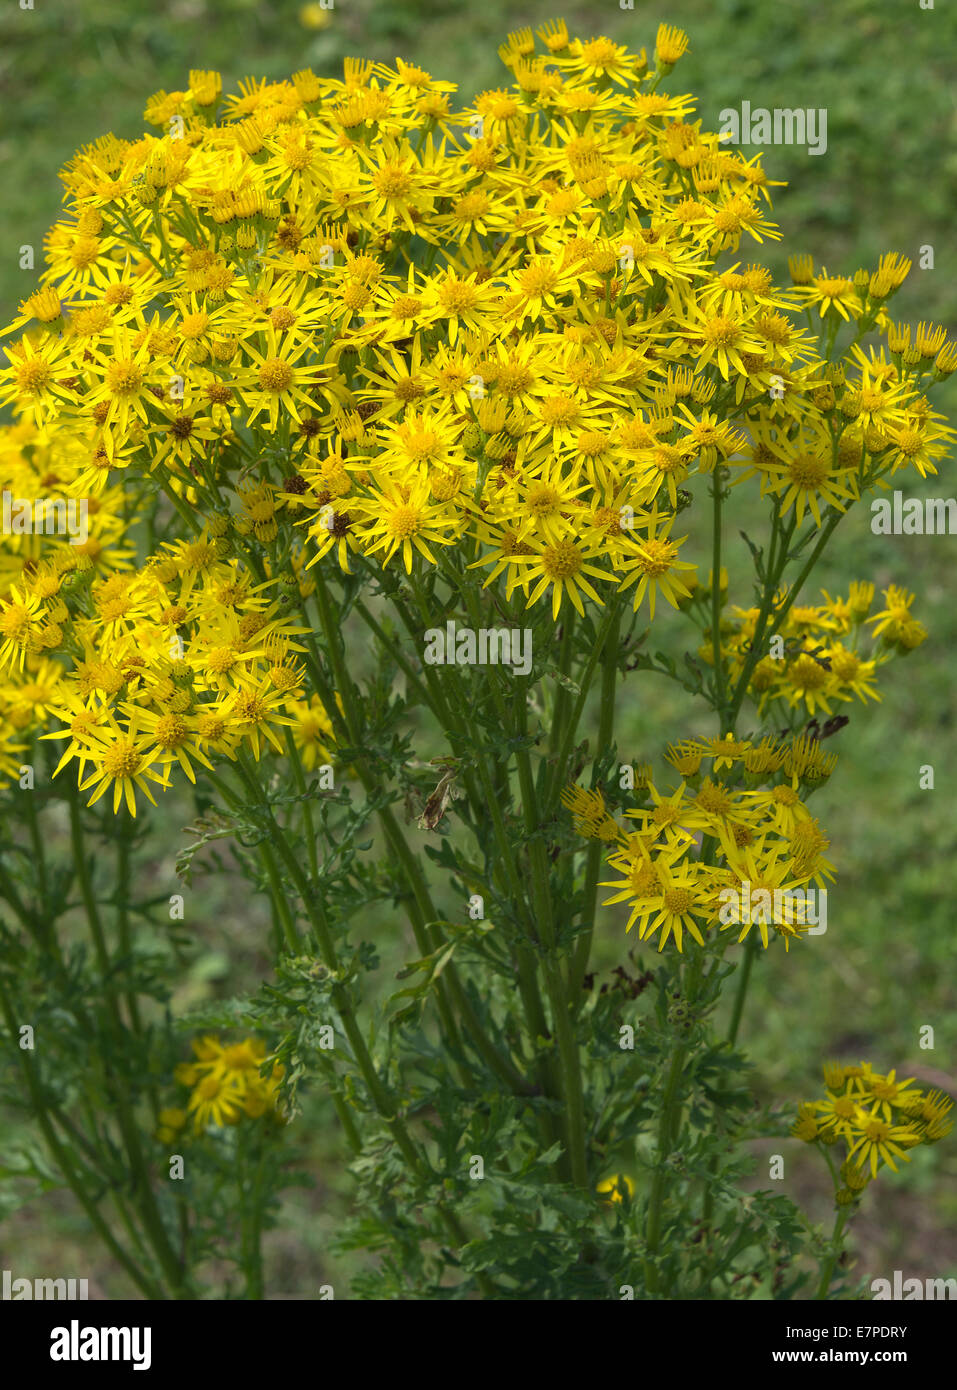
(71, 70)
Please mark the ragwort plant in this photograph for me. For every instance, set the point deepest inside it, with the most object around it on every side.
(385, 420)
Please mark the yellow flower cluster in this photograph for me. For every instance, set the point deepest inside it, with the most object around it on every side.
(733, 846)
(876, 1117)
(226, 1085)
(147, 668)
(336, 318)
(820, 655)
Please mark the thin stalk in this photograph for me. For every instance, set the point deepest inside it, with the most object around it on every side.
(779, 614)
(250, 1218)
(393, 651)
(146, 1200)
(148, 1286)
(571, 1078)
(744, 977)
(383, 1100)
(125, 938)
(349, 1129)
(666, 1122)
(425, 911)
(299, 773)
(669, 1127)
(593, 860)
(557, 780)
(717, 493)
(562, 694)
(291, 936)
(524, 960)
(827, 1268)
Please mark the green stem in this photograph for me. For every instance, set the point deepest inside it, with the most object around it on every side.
(717, 493)
(149, 1287)
(669, 1126)
(393, 650)
(562, 693)
(299, 773)
(827, 1268)
(571, 1078)
(794, 589)
(769, 613)
(173, 496)
(422, 910)
(740, 994)
(143, 1189)
(291, 936)
(593, 861)
(666, 1122)
(557, 781)
(250, 1217)
(349, 1129)
(773, 570)
(382, 1099)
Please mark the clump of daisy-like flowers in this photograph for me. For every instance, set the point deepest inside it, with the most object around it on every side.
(332, 363)
(226, 1084)
(873, 1120)
(689, 852)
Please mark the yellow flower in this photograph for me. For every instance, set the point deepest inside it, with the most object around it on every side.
(171, 1121)
(591, 817)
(654, 566)
(38, 376)
(878, 1141)
(618, 1188)
(216, 1100)
(278, 380)
(315, 16)
(563, 566)
(832, 294)
(404, 518)
(670, 44)
(122, 759)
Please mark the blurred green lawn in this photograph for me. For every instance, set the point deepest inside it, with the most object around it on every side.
(71, 70)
